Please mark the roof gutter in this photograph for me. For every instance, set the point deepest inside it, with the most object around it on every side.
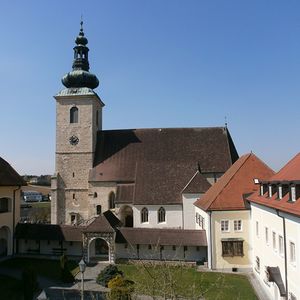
(285, 255)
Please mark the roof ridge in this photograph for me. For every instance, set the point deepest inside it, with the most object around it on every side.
(231, 177)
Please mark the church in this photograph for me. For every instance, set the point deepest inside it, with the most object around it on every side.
(127, 193)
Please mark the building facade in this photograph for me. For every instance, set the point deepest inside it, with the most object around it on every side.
(10, 188)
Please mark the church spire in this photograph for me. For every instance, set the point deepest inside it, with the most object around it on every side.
(80, 75)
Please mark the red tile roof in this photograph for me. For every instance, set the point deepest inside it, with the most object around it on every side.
(290, 172)
(8, 176)
(227, 192)
(160, 162)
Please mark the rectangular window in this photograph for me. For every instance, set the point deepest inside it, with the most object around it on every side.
(232, 248)
(274, 240)
(267, 235)
(257, 228)
(174, 248)
(237, 225)
(224, 225)
(280, 244)
(149, 247)
(185, 248)
(292, 252)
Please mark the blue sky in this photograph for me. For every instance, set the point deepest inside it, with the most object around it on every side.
(160, 64)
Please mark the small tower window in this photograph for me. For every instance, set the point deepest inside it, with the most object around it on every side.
(98, 208)
(74, 115)
(111, 200)
(144, 215)
(161, 215)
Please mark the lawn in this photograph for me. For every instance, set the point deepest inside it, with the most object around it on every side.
(187, 282)
(43, 267)
(11, 288)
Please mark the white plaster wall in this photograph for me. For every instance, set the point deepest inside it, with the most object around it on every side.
(174, 215)
(189, 210)
(268, 217)
(206, 217)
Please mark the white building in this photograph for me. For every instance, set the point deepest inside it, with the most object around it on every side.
(275, 227)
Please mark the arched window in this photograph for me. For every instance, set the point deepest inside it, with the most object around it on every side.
(161, 215)
(111, 200)
(98, 208)
(144, 215)
(74, 115)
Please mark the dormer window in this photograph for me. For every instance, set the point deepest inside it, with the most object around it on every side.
(285, 189)
(272, 190)
(279, 192)
(293, 193)
(263, 189)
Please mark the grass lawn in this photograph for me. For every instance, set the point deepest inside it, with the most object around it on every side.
(11, 288)
(187, 282)
(43, 267)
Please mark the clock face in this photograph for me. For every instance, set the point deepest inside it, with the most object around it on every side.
(73, 140)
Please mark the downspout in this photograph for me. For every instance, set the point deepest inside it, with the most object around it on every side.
(285, 255)
(14, 216)
(210, 240)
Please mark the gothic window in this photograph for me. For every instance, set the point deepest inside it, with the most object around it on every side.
(74, 115)
(98, 208)
(111, 200)
(161, 215)
(144, 215)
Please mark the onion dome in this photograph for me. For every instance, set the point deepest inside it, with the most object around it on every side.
(80, 75)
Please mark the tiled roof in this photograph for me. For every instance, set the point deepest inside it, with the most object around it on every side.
(48, 232)
(160, 162)
(164, 237)
(8, 176)
(227, 192)
(100, 224)
(290, 172)
(197, 184)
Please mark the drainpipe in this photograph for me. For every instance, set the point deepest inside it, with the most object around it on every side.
(285, 256)
(210, 240)
(14, 216)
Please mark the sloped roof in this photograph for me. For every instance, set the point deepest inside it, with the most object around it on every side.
(160, 162)
(290, 172)
(100, 224)
(227, 192)
(48, 232)
(197, 184)
(8, 176)
(164, 237)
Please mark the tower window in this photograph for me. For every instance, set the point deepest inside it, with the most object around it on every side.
(98, 208)
(144, 215)
(161, 215)
(74, 115)
(111, 200)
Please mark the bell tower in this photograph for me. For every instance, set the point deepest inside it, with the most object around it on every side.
(78, 119)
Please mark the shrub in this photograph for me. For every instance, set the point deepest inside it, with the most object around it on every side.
(120, 288)
(30, 285)
(107, 274)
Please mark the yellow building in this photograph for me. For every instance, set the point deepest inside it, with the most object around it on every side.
(225, 217)
(10, 187)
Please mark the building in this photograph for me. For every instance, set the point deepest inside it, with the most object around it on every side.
(10, 187)
(149, 178)
(275, 226)
(224, 215)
